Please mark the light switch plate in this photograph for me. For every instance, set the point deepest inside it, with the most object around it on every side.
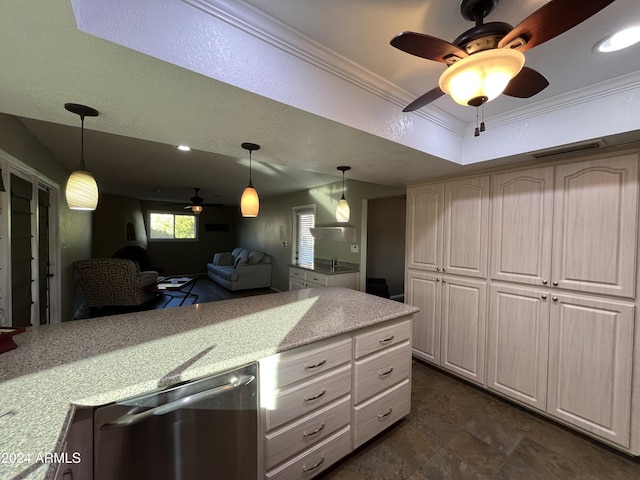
(354, 249)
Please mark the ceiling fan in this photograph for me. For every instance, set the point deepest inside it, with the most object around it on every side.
(197, 202)
(487, 60)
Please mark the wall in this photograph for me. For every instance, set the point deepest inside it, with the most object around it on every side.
(386, 225)
(274, 224)
(191, 257)
(74, 226)
(110, 221)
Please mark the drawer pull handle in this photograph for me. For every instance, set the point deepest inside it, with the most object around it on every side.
(311, 434)
(382, 415)
(386, 372)
(387, 340)
(315, 397)
(314, 466)
(311, 367)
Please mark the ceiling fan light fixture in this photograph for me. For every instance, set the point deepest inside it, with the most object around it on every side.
(81, 190)
(196, 209)
(481, 77)
(250, 202)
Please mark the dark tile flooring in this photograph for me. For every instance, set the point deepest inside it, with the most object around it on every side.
(456, 431)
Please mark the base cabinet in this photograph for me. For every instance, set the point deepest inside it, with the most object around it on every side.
(450, 328)
(518, 344)
(590, 365)
(300, 278)
(321, 401)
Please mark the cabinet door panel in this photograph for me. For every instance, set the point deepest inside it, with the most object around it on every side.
(466, 227)
(595, 225)
(518, 344)
(590, 365)
(425, 204)
(463, 328)
(522, 217)
(423, 292)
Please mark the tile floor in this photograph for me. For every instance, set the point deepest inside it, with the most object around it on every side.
(456, 431)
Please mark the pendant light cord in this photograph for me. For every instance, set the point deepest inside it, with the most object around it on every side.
(82, 164)
(250, 184)
(343, 186)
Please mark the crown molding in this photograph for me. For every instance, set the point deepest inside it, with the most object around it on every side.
(255, 22)
(580, 96)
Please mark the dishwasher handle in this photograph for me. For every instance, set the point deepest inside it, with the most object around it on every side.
(131, 419)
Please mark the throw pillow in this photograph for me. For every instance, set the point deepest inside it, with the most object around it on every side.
(223, 259)
(241, 261)
(255, 257)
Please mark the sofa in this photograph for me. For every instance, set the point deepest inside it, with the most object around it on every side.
(114, 282)
(240, 269)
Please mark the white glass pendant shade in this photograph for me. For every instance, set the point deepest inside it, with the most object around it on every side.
(250, 203)
(81, 191)
(343, 212)
(483, 75)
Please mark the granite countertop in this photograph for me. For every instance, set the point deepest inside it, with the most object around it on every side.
(97, 361)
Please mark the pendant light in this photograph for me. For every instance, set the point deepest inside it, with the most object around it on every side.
(343, 212)
(81, 190)
(250, 203)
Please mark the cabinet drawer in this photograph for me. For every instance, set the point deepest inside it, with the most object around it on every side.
(316, 459)
(290, 367)
(317, 278)
(380, 338)
(380, 412)
(381, 370)
(298, 436)
(297, 273)
(303, 398)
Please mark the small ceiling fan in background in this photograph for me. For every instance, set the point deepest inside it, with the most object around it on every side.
(197, 202)
(488, 59)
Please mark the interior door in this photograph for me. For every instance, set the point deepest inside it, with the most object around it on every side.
(21, 252)
(44, 263)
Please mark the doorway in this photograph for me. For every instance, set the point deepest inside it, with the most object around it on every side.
(29, 293)
(385, 246)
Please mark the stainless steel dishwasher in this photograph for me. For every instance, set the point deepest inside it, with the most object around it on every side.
(205, 429)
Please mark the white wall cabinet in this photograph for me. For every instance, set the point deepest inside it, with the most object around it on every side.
(448, 228)
(572, 226)
(559, 332)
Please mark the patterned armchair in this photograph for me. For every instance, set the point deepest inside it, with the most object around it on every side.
(114, 282)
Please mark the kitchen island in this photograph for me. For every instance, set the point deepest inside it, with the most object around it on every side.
(97, 361)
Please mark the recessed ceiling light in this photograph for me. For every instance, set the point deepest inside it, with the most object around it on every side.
(183, 148)
(619, 40)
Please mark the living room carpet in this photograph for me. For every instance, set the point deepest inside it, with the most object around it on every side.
(206, 289)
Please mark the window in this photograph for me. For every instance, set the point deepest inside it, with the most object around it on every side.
(305, 218)
(172, 226)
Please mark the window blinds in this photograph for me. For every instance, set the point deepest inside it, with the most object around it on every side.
(305, 219)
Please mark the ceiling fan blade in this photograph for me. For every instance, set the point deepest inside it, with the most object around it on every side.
(425, 46)
(526, 84)
(418, 103)
(552, 19)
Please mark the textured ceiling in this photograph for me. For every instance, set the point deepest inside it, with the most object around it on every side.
(155, 90)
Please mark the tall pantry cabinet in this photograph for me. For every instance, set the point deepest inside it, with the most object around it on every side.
(550, 320)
